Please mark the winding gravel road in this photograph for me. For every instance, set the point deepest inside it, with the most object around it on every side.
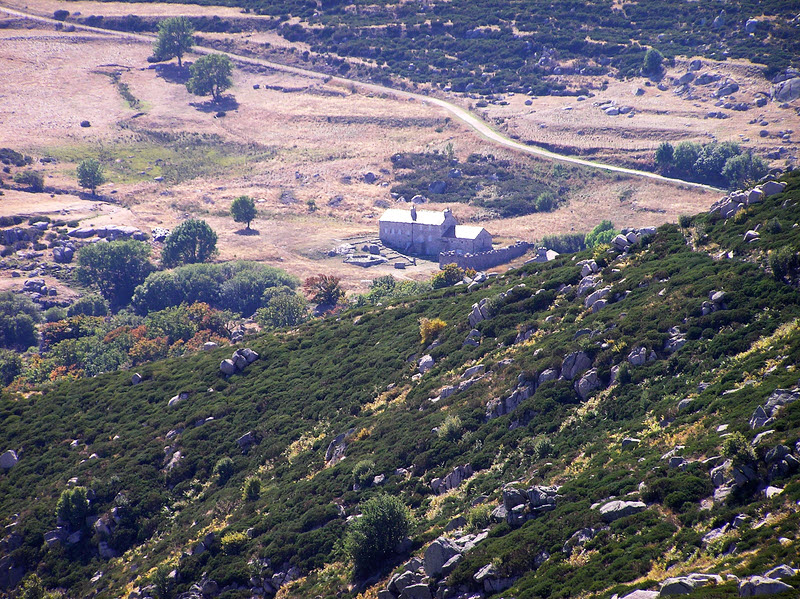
(473, 122)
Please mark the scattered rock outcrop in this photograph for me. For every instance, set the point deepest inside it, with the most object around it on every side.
(240, 359)
(452, 480)
(521, 505)
(729, 205)
(764, 416)
(616, 509)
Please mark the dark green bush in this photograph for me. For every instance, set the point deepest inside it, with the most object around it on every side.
(384, 523)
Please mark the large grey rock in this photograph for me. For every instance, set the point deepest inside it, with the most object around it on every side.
(575, 364)
(249, 355)
(770, 188)
(426, 362)
(587, 383)
(638, 356)
(239, 361)
(781, 572)
(399, 582)
(780, 398)
(641, 595)
(613, 510)
(595, 296)
(756, 586)
(786, 91)
(227, 367)
(676, 586)
(759, 418)
(476, 370)
(547, 375)
(416, 591)
(336, 449)
(437, 554)
(9, 459)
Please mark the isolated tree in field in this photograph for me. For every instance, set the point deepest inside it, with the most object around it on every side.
(323, 289)
(243, 210)
(192, 241)
(175, 38)
(90, 174)
(652, 62)
(116, 268)
(211, 74)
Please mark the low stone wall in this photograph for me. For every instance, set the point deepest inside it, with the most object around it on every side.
(484, 260)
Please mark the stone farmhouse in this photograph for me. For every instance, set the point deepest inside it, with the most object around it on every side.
(428, 233)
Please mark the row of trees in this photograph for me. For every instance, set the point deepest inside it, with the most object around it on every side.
(724, 164)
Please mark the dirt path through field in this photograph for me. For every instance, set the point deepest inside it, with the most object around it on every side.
(463, 115)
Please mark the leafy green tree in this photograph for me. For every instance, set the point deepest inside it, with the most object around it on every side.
(33, 179)
(210, 74)
(743, 169)
(175, 38)
(116, 268)
(10, 366)
(283, 310)
(685, 156)
(90, 174)
(602, 233)
(243, 210)
(652, 62)
(18, 319)
(190, 242)
(384, 523)
(664, 154)
(89, 305)
(72, 507)
(324, 290)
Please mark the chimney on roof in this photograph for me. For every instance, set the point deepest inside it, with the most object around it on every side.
(413, 213)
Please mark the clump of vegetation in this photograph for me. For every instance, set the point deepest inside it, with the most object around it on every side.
(190, 242)
(385, 521)
(72, 507)
(251, 490)
(604, 233)
(115, 268)
(448, 276)
(451, 429)
(736, 448)
(429, 329)
(723, 164)
(324, 290)
(363, 473)
(33, 180)
(565, 243)
(234, 542)
(224, 469)
(18, 319)
(479, 518)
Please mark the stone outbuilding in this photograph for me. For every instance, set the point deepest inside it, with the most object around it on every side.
(429, 232)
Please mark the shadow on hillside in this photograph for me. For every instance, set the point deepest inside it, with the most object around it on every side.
(172, 73)
(225, 104)
(247, 232)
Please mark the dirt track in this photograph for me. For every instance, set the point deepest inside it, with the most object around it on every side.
(466, 117)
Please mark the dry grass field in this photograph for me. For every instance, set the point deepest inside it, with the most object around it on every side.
(300, 147)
